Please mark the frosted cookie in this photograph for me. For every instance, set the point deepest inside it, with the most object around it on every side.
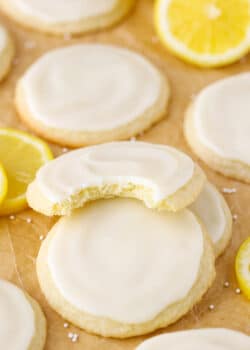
(22, 323)
(217, 126)
(6, 52)
(117, 268)
(68, 16)
(161, 176)
(206, 339)
(215, 214)
(91, 93)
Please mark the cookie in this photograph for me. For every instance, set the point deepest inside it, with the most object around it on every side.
(91, 93)
(6, 52)
(60, 17)
(208, 338)
(161, 176)
(119, 269)
(217, 126)
(22, 323)
(216, 216)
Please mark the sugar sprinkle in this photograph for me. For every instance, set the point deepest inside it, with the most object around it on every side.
(229, 190)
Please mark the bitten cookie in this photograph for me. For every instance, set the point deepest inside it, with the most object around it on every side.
(91, 93)
(215, 214)
(68, 16)
(119, 269)
(7, 51)
(22, 323)
(217, 126)
(161, 176)
(207, 339)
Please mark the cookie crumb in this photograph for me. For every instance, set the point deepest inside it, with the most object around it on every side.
(211, 307)
(75, 337)
(229, 190)
(70, 335)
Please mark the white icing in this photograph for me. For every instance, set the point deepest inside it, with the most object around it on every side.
(17, 319)
(90, 87)
(162, 168)
(201, 339)
(58, 11)
(208, 206)
(120, 260)
(221, 117)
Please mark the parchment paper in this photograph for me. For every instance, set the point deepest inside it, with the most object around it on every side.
(19, 240)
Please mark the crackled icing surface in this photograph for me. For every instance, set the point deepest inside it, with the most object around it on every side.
(221, 117)
(90, 87)
(160, 168)
(205, 339)
(57, 11)
(208, 206)
(118, 259)
(17, 319)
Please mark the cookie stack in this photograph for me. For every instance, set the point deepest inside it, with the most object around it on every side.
(135, 248)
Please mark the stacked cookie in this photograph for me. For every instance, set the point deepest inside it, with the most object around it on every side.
(134, 252)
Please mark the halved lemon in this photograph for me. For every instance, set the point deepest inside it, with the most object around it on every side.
(242, 267)
(21, 155)
(3, 184)
(206, 33)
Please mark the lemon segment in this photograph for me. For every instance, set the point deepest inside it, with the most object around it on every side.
(204, 32)
(3, 184)
(242, 268)
(21, 155)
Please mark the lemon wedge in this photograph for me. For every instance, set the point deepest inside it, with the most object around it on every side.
(21, 156)
(206, 33)
(3, 184)
(242, 268)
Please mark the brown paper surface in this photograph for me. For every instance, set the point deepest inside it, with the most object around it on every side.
(19, 240)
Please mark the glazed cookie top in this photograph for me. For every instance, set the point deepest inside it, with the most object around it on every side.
(57, 11)
(118, 259)
(221, 117)
(205, 339)
(208, 206)
(90, 87)
(17, 319)
(161, 168)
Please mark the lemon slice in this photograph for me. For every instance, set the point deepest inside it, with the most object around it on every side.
(3, 184)
(21, 155)
(206, 33)
(242, 267)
